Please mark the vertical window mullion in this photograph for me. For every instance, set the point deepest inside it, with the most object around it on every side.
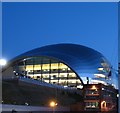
(50, 71)
(33, 66)
(76, 80)
(67, 76)
(24, 67)
(41, 68)
(58, 72)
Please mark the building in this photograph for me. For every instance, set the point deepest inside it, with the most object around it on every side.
(99, 97)
(67, 65)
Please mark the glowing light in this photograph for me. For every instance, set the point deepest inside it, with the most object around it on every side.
(65, 86)
(3, 62)
(26, 104)
(100, 69)
(117, 95)
(53, 104)
(93, 87)
(103, 89)
(80, 86)
(103, 104)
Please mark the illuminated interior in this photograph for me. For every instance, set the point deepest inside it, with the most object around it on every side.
(47, 70)
(92, 104)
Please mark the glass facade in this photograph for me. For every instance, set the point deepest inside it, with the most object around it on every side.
(94, 69)
(47, 70)
(103, 74)
(90, 70)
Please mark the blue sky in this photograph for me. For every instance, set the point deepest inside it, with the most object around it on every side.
(30, 25)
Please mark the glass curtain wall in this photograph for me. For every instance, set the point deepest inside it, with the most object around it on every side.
(103, 75)
(47, 70)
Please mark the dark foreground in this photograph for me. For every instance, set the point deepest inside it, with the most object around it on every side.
(58, 112)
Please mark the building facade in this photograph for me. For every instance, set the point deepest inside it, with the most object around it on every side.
(99, 97)
(70, 66)
(64, 64)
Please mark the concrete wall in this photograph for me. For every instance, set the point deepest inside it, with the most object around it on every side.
(8, 73)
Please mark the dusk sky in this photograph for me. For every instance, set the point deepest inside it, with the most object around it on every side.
(31, 25)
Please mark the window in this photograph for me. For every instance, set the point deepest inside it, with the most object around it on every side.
(47, 70)
(92, 104)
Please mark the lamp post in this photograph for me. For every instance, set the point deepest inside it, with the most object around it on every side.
(2, 63)
(53, 104)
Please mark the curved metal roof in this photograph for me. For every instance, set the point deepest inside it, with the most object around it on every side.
(80, 58)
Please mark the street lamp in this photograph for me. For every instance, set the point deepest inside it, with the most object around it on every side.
(3, 62)
(53, 104)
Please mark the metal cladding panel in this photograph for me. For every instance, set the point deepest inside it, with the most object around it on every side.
(79, 58)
